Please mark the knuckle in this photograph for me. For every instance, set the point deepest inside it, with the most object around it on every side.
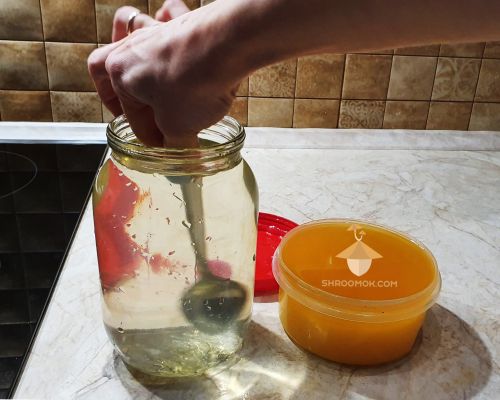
(115, 68)
(94, 63)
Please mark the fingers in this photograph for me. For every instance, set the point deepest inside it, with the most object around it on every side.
(180, 141)
(97, 69)
(171, 9)
(121, 21)
(142, 121)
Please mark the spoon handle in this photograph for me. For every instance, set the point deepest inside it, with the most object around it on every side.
(192, 194)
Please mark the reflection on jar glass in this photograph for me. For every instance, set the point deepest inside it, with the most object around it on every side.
(176, 234)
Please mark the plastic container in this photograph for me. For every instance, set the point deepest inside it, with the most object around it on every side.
(176, 233)
(353, 292)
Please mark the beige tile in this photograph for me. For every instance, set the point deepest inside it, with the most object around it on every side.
(243, 88)
(20, 20)
(154, 5)
(107, 116)
(315, 113)
(23, 66)
(411, 78)
(270, 112)
(65, 21)
(239, 110)
(25, 106)
(361, 114)
(485, 117)
(276, 80)
(488, 86)
(405, 114)
(76, 106)
(320, 76)
(456, 79)
(366, 76)
(448, 115)
(474, 50)
(492, 50)
(105, 11)
(67, 66)
(429, 50)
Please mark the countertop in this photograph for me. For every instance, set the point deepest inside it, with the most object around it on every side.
(441, 187)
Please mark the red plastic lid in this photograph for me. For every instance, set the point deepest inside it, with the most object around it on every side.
(271, 230)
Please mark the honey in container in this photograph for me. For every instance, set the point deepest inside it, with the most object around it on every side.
(353, 292)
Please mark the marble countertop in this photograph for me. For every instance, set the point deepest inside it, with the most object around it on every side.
(441, 187)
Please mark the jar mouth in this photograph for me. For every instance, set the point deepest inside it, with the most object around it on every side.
(218, 144)
(350, 308)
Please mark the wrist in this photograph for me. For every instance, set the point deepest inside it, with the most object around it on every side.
(236, 33)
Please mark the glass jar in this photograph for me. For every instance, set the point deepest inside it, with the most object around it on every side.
(176, 233)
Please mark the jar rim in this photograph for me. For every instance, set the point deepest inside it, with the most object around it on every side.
(227, 135)
(118, 136)
(337, 305)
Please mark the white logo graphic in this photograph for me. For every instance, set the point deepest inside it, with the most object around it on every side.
(359, 255)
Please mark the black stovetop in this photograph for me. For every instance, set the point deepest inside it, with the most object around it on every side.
(43, 188)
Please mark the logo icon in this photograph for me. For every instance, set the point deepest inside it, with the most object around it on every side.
(359, 255)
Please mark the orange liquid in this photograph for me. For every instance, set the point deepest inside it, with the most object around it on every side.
(404, 269)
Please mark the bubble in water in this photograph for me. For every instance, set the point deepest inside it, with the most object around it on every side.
(187, 224)
(128, 184)
(120, 330)
(199, 185)
(200, 221)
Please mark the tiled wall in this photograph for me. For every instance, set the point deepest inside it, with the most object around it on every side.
(43, 76)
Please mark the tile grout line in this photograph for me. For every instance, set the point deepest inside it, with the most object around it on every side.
(387, 92)
(271, 97)
(46, 63)
(294, 91)
(432, 89)
(97, 46)
(344, 66)
(475, 90)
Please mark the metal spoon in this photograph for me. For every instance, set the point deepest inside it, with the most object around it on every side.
(212, 304)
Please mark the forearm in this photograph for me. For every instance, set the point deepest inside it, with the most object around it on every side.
(266, 31)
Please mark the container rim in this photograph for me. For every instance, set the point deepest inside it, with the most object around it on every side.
(121, 138)
(331, 304)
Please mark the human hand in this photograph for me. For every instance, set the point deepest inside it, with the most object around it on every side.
(169, 10)
(168, 78)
